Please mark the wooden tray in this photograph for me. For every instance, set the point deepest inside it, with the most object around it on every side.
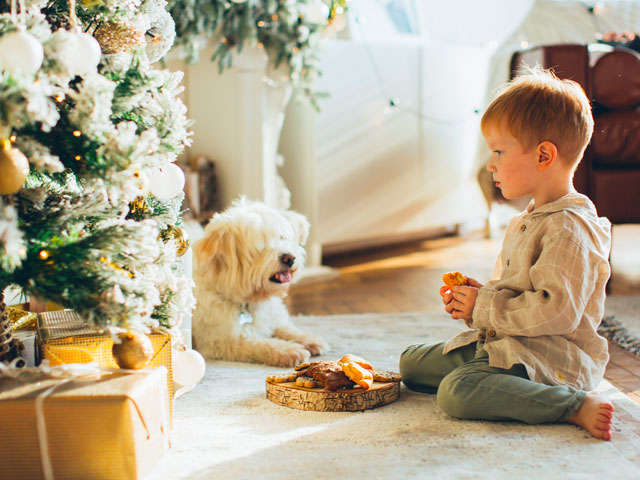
(323, 400)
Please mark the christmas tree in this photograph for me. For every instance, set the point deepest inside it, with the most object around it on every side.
(89, 128)
(290, 31)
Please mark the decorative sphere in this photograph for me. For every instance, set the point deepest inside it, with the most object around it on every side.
(85, 56)
(14, 168)
(317, 12)
(179, 236)
(133, 350)
(188, 367)
(20, 51)
(166, 182)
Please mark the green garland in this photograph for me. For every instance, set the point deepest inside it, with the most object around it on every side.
(290, 31)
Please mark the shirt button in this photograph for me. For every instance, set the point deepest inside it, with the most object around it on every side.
(523, 228)
(492, 333)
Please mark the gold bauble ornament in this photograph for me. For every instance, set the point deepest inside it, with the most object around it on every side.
(132, 350)
(118, 37)
(14, 168)
(178, 235)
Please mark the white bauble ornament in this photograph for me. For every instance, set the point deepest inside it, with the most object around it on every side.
(166, 182)
(317, 12)
(14, 168)
(20, 52)
(85, 56)
(188, 367)
(303, 33)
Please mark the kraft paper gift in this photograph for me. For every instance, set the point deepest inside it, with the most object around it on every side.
(95, 423)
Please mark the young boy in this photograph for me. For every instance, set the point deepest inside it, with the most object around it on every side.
(534, 350)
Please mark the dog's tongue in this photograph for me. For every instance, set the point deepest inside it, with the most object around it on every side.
(284, 277)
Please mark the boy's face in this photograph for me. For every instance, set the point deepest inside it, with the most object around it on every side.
(514, 169)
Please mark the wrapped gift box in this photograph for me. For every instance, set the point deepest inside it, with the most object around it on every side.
(64, 338)
(109, 425)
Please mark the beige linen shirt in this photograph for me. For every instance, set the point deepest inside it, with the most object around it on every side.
(546, 301)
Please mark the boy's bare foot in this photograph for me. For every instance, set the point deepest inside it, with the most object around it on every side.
(595, 416)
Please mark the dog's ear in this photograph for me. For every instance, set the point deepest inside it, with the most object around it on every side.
(300, 225)
(215, 247)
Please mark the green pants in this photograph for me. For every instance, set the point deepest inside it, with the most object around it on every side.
(467, 387)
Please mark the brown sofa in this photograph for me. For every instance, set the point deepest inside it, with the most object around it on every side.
(610, 170)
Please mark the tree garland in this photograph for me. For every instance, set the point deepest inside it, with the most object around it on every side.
(290, 31)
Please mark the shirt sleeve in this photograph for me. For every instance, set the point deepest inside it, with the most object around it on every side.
(560, 278)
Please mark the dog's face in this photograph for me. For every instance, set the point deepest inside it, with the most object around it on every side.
(250, 251)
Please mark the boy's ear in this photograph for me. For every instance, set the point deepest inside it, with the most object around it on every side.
(547, 155)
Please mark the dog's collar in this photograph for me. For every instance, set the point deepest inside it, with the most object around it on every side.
(245, 316)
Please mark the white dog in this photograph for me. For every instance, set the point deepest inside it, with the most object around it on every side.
(242, 269)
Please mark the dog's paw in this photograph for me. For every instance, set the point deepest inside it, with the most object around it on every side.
(316, 346)
(292, 355)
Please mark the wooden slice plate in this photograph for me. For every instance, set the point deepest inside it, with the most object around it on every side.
(322, 400)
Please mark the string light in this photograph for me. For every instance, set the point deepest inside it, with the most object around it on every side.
(78, 157)
(274, 17)
(59, 98)
(260, 45)
(12, 138)
(77, 133)
(223, 40)
(394, 103)
(261, 23)
(44, 254)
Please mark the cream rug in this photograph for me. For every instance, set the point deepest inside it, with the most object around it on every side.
(621, 322)
(227, 429)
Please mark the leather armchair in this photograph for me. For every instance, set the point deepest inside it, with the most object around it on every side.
(609, 172)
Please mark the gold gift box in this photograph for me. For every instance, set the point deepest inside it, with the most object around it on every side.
(64, 338)
(114, 425)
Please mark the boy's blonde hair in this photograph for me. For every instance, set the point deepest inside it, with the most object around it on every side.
(537, 107)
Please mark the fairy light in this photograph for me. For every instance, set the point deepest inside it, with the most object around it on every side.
(223, 40)
(12, 138)
(44, 254)
(260, 45)
(59, 98)
(78, 158)
(274, 17)
(261, 23)
(22, 252)
(76, 133)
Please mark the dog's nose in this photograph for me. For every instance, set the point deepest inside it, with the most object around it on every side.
(288, 259)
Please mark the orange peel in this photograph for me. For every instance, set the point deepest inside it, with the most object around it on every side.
(348, 358)
(358, 374)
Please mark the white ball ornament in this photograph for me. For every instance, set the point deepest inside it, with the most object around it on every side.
(188, 367)
(84, 55)
(20, 52)
(166, 182)
(317, 12)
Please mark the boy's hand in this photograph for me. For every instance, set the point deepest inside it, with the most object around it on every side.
(460, 300)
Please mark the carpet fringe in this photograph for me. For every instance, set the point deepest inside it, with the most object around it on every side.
(614, 331)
